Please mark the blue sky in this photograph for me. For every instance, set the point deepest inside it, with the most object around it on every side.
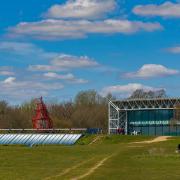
(57, 48)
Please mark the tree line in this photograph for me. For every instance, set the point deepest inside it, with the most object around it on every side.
(88, 110)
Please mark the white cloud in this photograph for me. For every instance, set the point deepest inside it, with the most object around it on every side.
(87, 9)
(65, 62)
(22, 48)
(9, 80)
(151, 70)
(168, 9)
(60, 29)
(44, 68)
(18, 47)
(68, 77)
(12, 83)
(68, 61)
(174, 50)
(23, 90)
(6, 73)
(125, 90)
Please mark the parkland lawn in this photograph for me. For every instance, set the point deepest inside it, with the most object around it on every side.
(108, 157)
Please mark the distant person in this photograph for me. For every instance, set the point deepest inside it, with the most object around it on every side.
(118, 130)
(121, 131)
(178, 149)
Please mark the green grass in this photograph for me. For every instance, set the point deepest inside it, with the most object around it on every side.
(129, 161)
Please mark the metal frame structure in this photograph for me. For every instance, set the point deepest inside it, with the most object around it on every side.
(31, 137)
(41, 120)
(38, 139)
(118, 110)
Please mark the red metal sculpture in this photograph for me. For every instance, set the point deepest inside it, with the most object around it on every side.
(41, 120)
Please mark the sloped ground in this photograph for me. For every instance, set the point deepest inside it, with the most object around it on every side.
(95, 157)
(155, 140)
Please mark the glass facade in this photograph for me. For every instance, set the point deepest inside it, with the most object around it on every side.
(152, 122)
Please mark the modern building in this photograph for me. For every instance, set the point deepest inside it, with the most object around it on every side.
(145, 116)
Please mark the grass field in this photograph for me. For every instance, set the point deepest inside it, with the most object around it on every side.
(108, 157)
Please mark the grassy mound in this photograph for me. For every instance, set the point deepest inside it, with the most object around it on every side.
(109, 157)
(110, 139)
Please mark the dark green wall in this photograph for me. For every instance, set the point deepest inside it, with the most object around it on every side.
(152, 122)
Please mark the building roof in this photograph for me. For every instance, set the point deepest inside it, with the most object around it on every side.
(143, 104)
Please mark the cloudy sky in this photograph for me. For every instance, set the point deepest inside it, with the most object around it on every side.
(56, 48)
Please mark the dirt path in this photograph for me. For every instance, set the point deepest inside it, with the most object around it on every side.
(95, 140)
(66, 171)
(92, 170)
(155, 140)
(132, 146)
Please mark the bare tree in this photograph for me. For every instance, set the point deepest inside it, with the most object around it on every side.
(141, 94)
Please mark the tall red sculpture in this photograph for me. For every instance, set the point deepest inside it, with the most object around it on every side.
(41, 120)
